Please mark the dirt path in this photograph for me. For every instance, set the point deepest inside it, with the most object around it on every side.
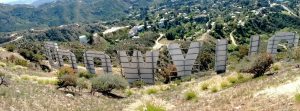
(204, 36)
(157, 44)
(232, 39)
(284, 7)
(18, 38)
(114, 29)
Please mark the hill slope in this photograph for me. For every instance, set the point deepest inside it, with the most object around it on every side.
(19, 17)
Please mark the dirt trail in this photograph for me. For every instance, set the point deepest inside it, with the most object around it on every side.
(232, 39)
(289, 89)
(157, 44)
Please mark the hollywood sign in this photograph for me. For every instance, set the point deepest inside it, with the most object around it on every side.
(143, 66)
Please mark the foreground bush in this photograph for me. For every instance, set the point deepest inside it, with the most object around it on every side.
(65, 71)
(83, 83)
(66, 78)
(297, 97)
(107, 82)
(296, 54)
(260, 64)
(86, 75)
(67, 81)
(190, 95)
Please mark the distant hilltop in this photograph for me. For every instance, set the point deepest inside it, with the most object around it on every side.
(28, 2)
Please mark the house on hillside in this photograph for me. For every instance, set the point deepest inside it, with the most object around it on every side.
(83, 39)
(135, 30)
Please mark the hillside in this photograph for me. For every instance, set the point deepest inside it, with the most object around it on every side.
(18, 17)
(35, 90)
(150, 55)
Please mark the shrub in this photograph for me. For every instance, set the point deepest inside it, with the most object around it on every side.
(151, 91)
(25, 77)
(170, 36)
(10, 47)
(276, 67)
(214, 89)
(129, 92)
(86, 75)
(204, 86)
(66, 81)
(2, 64)
(297, 97)
(232, 79)
(243, 51)
(296, 54)
(240, 76)
(107, 82)
(82, 83)
(18, 67)
(225, 84)
(21, 62)
(190, 95)
(138, 83)
(151, 107)
(65, 70)
(260, 64)
(168, 71)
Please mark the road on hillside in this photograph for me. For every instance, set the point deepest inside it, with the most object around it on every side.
(157, 44)
(16, 39)
(232, 39)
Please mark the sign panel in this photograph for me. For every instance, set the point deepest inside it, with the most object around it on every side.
(221, 56)
(274, 41)
(138, 68)
(254, 45)
(90, 63)
(52, 53)
(71, 58)
(184, 63)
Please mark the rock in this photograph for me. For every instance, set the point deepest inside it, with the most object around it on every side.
(70, 95)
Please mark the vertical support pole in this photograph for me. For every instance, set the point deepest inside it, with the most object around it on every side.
(153, 69)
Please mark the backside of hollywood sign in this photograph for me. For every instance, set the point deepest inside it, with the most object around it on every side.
(140, 69)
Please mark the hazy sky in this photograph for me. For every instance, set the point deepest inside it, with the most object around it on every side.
(5, 1)
(18, 1)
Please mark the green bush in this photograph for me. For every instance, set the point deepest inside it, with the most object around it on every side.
(10, 47)
(296, 54)
(243, 51)
(86, 75)
(66, 81)
(170, 36)
(129, 92)
(204, 86)
(151, 107)
(107, 82)
(260, 64)
(151, 91)
(66, 77)
(21, 62)
(83, 83)
(225, 84)
(2, 64)
(232, 79)
(297, 97)
(240, 76)
(65, 71)
(214, 89)
(190, 95)
(138, 83)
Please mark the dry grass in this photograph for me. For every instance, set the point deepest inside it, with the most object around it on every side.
(25, 94)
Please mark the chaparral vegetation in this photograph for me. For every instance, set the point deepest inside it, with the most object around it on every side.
(149, 55)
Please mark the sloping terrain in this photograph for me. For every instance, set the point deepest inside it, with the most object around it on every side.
(28, 92)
